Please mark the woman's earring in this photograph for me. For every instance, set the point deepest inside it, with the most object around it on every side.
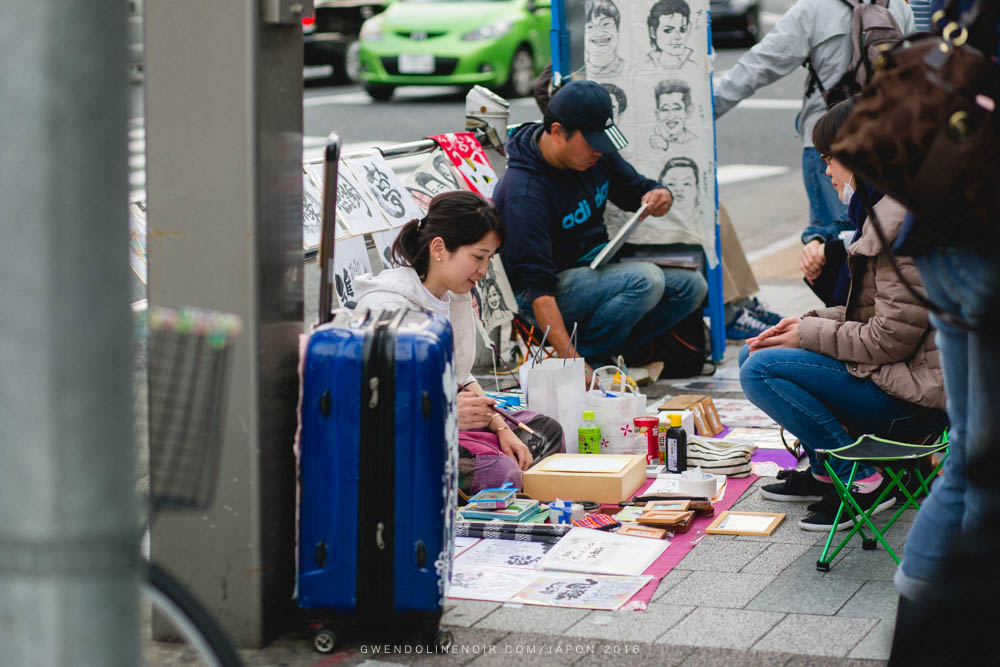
(439, 259)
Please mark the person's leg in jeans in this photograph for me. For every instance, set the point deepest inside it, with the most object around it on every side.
(813, 396)
(683, 293)
(825, 207)
(605, 304)
(965, 500)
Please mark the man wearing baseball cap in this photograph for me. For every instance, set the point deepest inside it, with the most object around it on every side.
(560, 175)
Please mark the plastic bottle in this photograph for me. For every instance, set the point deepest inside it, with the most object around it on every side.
(676, 445)
(589, 434)
(663, 443)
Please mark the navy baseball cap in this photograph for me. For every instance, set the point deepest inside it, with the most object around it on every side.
(586, 106)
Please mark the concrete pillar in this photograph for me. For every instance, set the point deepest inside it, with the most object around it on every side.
(224, 194)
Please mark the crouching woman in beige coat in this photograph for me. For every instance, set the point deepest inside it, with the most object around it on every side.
(870, 367)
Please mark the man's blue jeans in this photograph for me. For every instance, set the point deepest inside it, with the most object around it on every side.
(827, 215)
(622, 303)
(966, 498)
(813, 396)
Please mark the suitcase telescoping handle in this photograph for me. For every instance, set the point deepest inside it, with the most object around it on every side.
(331, 160)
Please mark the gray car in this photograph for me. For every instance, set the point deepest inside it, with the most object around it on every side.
(331, 37)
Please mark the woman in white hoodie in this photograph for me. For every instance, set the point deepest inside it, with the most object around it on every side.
(442, 256)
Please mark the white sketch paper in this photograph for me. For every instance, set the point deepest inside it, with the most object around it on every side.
(483, 582)
(355, 204)
(350, 260)
(593, 591)
(605, 463)
(312, 216)
(463, 543)
(598, 552)
(495, 297)
(137, 239)
(396, 202)
(383, 244)
(661, 95)
(504, 553)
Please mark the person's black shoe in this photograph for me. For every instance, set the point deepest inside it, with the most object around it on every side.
(821, 518)
(796, 486)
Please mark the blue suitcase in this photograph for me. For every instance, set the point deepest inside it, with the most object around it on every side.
(378, 474)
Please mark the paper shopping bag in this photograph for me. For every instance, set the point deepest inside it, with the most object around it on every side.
(555, 387)
(613, 412)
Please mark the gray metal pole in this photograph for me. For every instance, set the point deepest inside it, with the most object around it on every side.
(68, 538)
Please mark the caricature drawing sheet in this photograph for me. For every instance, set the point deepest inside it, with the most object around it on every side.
(652, 56)
(349, 261)
(395, 201)
(589, 591)
(504, 553)
(598, 552)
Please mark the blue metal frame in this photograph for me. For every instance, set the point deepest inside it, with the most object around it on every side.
(559, 42)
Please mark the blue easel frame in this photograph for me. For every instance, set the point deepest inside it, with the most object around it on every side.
(562, 66)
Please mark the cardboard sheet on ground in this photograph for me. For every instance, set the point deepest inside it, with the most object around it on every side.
(764, 438)
(504, 553)
(486, 582)
(589, 591)
(598, 552)
(735, 412)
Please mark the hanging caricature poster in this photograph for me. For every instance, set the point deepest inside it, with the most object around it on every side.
(312, 216)
(652, 56)
(349, 261)
(395, 201)
(383, 244)
(465, 153)
(434, 176)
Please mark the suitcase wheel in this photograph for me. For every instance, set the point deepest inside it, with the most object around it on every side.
(440, 641)
(325, 640)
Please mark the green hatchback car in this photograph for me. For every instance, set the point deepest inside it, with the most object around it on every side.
(500, 44)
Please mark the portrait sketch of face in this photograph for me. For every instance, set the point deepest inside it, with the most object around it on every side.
(601, 26)
(669, 25)
(421, 197)
(680, 175)
(673, 106)
(619, 102)
(429, 183)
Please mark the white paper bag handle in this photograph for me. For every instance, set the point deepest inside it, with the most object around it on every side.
(621, 374)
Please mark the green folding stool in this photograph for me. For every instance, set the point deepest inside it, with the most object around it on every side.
(897, 460)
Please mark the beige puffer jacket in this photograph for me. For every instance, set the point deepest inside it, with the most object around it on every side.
(882, 333)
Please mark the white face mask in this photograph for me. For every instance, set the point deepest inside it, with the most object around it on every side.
(847, 192)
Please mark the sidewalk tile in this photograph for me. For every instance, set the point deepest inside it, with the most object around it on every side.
(626, 654)
(538, 650)
(674, 577)
(713, 657)
(638, 626)
(804, 595)
(775, 558)
(860, 564)
(877, 644)
(805, 634)
(875, 599)
(721, 628)
(532, 618)
(718, 589)
(465, 613)
(722, 555)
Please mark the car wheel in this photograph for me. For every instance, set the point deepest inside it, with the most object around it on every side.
(347, 66)
(379, 91)
(751, 26)
(521, 77)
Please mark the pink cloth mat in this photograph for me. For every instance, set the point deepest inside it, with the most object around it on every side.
(681, 544)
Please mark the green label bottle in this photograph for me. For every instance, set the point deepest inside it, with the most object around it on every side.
(590, 434)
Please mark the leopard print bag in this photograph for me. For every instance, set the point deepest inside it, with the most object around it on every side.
(925, 132)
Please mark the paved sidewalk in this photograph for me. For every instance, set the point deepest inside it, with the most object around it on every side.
(734, 600)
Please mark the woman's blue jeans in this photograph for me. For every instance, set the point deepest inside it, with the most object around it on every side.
(621, 304)
(813, 396)
(966, 498)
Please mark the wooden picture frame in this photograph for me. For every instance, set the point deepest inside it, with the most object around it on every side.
(668, 505)
(745, 523)
(642, 531)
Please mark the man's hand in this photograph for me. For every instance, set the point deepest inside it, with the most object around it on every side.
(658, 201)
(812, 259)
(512, 446)
(473, 411)
(783, 334)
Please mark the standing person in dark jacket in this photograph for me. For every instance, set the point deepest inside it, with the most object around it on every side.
(560, 175)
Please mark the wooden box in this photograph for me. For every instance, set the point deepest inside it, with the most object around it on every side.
(544, 482)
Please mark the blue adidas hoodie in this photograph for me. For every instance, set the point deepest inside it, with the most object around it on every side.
(554, 218)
